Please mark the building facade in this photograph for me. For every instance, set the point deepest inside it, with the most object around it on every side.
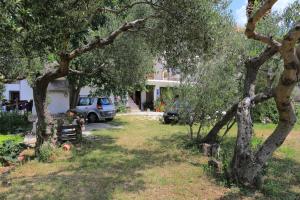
(160, 79)
(58, 92)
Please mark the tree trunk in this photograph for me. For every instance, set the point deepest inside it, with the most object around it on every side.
(246, 166)
(243, 154)
(252, 66)
(45, 126)
(74, 96)
(212, 135)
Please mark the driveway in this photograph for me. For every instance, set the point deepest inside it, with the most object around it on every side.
(98, 126)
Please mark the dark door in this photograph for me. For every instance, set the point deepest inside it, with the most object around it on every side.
(150, 98)
(14, 95)
(138, 99)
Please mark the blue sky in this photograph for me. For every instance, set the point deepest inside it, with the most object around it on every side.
(238, 8)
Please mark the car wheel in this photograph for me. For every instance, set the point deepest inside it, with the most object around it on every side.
(92, 118)
(109, 119)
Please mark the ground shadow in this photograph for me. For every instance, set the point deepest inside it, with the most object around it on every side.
(95, 171)
(117, 122)
(281, 178)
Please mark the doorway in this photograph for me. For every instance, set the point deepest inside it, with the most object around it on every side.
(13, 95)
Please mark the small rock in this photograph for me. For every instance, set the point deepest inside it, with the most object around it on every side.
(215, 150)
(216, 165)
(30, 140)
(206, 149)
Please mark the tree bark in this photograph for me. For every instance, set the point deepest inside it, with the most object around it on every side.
(246, 166)
(212, 135)
(243, 154)
(44, 126)
(74, 96)
(252, 67)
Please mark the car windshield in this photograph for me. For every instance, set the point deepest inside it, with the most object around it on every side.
(104, 101)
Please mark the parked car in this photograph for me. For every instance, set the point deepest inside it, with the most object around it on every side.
(171, 115)
(96, 108)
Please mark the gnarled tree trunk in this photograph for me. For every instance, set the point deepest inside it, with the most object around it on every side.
(246, 166)
(212, 135)
(252, 66)
(44, 126)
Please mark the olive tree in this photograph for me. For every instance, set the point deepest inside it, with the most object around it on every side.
(46, 37)
(247, 165)
(254, 58)
(206, 93)
(117, 70)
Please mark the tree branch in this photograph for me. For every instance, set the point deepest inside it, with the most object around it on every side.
(77, 72)
(290, 40)
(268, 53)
(124, 8)
(101, 42)
(252, 21)
(263, 96)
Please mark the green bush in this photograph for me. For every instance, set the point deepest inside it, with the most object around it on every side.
(46, 152)
(265, 110)
(121, 108)
(9, 151)
(10, 122)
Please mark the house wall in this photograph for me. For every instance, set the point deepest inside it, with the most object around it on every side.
(21, 86)
(11, 87)
(85, 91)
(143, 99)
(58, 101)
(26, 92)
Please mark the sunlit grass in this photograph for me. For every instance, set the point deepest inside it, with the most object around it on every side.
(16, 138)
(145, 159)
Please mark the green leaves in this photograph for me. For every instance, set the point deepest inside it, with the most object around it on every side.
(9, 151)
(117, 68)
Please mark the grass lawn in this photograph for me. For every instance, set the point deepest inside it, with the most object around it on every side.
(147, 160)
(16, 138)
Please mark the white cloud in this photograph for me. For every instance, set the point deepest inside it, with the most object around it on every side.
(240, 14)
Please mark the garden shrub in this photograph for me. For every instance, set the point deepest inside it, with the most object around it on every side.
(10, 122)
(265, 110)
(9, 151)
(121, 108)
(46, 152)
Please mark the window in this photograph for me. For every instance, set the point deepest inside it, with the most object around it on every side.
(85, 101)
(104, 101)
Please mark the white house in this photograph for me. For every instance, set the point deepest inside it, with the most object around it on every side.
(58, 93)
(156, 81)
(58, 96)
